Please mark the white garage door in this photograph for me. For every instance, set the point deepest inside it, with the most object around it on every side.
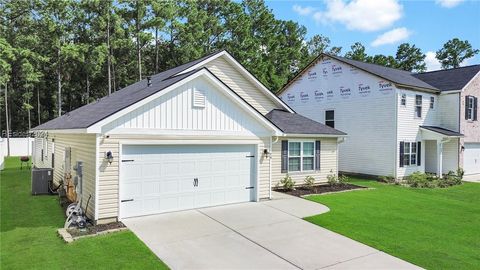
(471, 158)
(156, 179)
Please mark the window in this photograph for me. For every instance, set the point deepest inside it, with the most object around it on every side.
(470, 108)
(301, 156)
(418, 106)
(432, 102)
(410, 153)
(330, 118)
(403, 100)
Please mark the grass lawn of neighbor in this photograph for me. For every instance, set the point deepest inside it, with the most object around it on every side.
(29, 238)
(432, 228)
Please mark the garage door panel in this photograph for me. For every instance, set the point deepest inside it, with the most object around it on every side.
(471, 158)
(161, 178)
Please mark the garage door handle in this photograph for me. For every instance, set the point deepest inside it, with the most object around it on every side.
(129, 200)
(195, 182)
(249, 187)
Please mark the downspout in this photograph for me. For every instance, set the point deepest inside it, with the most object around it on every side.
(395, 173)
(97, 174)
(339, 141)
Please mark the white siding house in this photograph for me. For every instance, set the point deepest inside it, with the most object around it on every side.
(394, 120)
(202, 134)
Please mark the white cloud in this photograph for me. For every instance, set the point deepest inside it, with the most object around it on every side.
(432, 62)
(448, 3)
(363, 15)
(303, 11)
(391, 37)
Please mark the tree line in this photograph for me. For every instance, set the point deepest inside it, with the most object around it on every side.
(57, 55)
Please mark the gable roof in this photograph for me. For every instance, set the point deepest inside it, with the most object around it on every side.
(87, 115)
(449, 79)
(92, 113)
(294, 123)
(397, 76)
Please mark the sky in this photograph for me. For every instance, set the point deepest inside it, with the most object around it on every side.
(381, 25)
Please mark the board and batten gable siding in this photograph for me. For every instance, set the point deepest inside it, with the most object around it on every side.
(241, 85)
(82, 149)
(328, 161)
(364, 108)
(175, 111)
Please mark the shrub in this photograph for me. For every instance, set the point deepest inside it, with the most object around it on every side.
(460, 172)
(287, 183)
(450, 179)
(332, 179)
(309, 182)
(426, 180)
(388, 179)
(343, 180)
(420, 180)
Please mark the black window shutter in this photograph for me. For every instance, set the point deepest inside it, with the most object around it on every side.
(475, 101)
(466, 107)
(419, 153)
(402, 151)
(317, 155)
(284, 156)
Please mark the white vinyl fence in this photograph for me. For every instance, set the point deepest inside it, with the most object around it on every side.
(18, 147)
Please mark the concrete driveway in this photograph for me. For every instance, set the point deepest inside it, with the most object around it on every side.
(265, 235)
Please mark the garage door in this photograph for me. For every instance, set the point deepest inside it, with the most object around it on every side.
(471, 158)
(156, 179)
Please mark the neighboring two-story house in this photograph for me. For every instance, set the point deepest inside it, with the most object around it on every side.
(397, 122)
(464, 84)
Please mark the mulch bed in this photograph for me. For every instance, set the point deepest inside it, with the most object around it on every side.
(95, 229)
(319, 189)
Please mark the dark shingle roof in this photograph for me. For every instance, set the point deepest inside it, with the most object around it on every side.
(449, 79)
(294, 123)
(443, 131)
(92, 113)
(392, 74)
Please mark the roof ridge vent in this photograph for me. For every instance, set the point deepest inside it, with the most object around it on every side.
(149, 81)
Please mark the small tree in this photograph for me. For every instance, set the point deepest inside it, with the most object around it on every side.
(454, 52)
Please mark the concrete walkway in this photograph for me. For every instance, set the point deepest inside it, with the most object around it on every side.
(474, 178)
(265, 235)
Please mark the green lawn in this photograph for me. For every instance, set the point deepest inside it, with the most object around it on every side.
(29, 239)
(432, 228)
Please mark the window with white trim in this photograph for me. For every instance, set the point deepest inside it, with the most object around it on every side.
(410, 154)
(330, 118)
(432, 102)
(470, 107)
(418, 106)
(403, 100)
(301, 156)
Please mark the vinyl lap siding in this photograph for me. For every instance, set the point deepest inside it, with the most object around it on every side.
(39, 144)
(449, 111)
(328, 162)
(108, 179)
(243, 87)
(82, 149)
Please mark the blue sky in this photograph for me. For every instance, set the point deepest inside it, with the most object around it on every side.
(381, 25)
